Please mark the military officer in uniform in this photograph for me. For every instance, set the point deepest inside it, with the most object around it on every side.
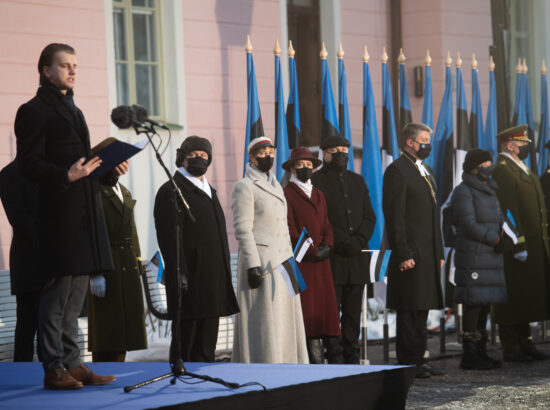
(545, 183)
(527, 266)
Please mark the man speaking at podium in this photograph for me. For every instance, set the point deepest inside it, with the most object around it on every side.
(53, 149)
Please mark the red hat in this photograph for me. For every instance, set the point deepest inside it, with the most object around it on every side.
(301, 153)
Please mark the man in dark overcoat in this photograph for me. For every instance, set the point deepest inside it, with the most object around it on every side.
(412, 223)
(19, 197)
(204, 259)
(53, 150)
(545, 184)
(526, 267)
(352, 219)
(116, 315)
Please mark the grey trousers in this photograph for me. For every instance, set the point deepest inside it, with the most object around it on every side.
(60, 305)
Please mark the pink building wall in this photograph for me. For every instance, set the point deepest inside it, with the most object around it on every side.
(214, 34)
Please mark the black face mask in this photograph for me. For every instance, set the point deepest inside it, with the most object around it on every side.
(264, 163)
(523, 152)
(303, 174)
(339, 161)
(424, 151)
(484, 173)
(196, 166)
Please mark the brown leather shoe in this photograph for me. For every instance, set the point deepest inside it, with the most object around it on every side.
(84, 374)
(60, 379)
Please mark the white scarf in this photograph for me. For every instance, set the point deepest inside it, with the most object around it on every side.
(203, 185)
(306, 187)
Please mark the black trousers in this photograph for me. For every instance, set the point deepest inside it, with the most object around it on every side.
(475, 318)
(26, 326)
(349, 299)
(60, 305)
(410, 341)
(198, 340)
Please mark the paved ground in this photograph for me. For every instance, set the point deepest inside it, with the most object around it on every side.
(514, 386)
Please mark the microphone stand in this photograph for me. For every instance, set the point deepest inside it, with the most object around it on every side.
(176, 363)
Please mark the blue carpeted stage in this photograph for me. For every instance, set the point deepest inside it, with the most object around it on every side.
(289, 386)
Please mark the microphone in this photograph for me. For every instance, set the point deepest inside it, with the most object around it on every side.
(124, 116)
(142, 116)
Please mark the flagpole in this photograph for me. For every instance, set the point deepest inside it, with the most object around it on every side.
(364, 359)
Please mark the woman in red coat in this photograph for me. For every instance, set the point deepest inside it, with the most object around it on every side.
(307, 208)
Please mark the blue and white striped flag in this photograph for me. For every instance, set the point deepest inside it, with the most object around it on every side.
(156, 266)
(303, 244)
(292, 276)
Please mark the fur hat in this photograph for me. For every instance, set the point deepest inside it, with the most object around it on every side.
(475, 157)
(190, 144)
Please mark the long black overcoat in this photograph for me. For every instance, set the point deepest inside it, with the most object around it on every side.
(545, 184)
(19, 197)
(352, 219)
(478, 219)
(71, 227)
(204, 256)
(412, 224)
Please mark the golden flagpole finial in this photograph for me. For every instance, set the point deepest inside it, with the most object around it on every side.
(519, 67)
(491, 64)
(366, 55)
(428, 59)
(323, 52)
(448, 60)
(525, 68)
(277, 49)
(458, 60)
(384, 55)
(474, 61)
(340, 53)
(543, 67)
(248, 46)
(291, 51)
(401, 58)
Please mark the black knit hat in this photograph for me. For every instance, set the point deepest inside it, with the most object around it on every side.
(475, 157)
(334, 141)
(190, 144)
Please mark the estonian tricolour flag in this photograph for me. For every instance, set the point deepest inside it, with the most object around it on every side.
(156, 266)
(464, 141)
(544, 130)
(390, 147)
(292, 276)
(490, 133)
(303, 244)
(378, 269)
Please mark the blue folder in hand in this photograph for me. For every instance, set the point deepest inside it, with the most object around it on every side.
(113, 152)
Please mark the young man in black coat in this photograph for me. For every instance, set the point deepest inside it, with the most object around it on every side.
(53, 150)
(352, 219)
(205, 272)
(411, 212)
(19, 197)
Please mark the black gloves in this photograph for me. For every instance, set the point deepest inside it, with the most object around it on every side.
(352, 246)
(324, 252)
(505, 244)
(254, 275)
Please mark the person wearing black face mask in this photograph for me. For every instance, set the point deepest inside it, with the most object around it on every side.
(411, 212)
(479, 245)
(270, 327)
(307, 209)
(527, 266)
(352, 219)
(204, 254)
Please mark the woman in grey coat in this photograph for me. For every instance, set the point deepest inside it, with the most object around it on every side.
(479, 245)
(270, 326)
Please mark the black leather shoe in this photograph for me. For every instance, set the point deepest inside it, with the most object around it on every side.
(422, 372)
(435, 371)
(529, 349)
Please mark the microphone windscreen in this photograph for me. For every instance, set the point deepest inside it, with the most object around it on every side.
(141, 113)
(122, 116)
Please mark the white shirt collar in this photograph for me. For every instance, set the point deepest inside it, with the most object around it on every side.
(118, 191)
(519, 163)
(306, 187)
(420, 165)
(202, 185)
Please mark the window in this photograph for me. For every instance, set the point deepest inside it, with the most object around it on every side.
(138, 54)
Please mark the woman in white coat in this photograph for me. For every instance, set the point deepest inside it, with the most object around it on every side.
(270, 327)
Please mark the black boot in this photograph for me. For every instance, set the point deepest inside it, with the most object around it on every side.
(471, 360)
(482, 350)
(335, 351)
(315, 351)
(528, 347)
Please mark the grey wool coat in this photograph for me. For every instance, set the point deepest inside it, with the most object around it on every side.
(270, 327)
(478, 219)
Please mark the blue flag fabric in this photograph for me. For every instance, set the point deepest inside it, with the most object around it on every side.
(254, 126)
(390, 147)
(531, 161)
(371, 163)
(427, 106)
(330, 121)
(490, 134)
(520, 106)
(343, 111)
(443, 142)
(293, 107)
(405, 114)
(544, 131)
(476, 116)
(281, 137)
